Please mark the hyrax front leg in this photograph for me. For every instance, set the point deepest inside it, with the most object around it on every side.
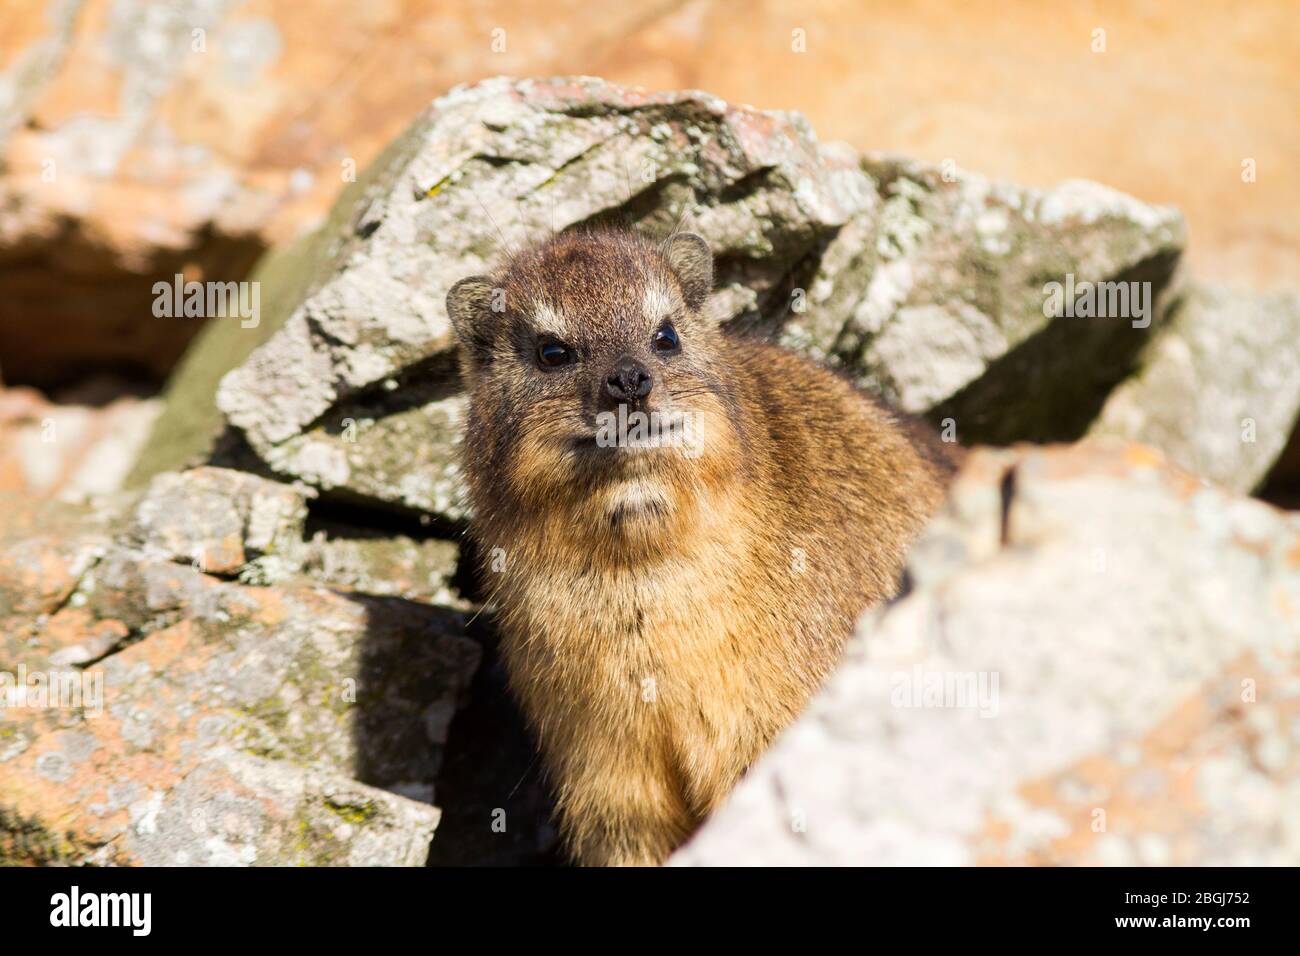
(625, 837)
(621, 818)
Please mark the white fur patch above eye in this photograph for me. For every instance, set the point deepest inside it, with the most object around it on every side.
(657, 302)
(548, 319)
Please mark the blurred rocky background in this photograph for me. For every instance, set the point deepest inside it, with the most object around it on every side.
(251, 526)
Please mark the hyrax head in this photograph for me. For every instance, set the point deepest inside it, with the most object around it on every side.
(592, 366)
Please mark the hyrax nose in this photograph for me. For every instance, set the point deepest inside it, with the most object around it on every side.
(629, 381)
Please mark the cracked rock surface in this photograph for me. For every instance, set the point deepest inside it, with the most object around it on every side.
(205, 720)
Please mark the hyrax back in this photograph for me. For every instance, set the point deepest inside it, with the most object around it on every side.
(679, 527)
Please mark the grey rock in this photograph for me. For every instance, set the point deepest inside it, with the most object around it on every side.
(235, 809)
(384, 565)
(956, 322)
(356, 684)
(219, 518)
(232, 523)
(1218, 390)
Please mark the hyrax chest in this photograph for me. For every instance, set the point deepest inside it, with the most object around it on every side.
(659, 649)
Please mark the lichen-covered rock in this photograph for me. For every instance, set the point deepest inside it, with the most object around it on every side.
(219, 518)
(361, 685)
(226, 808)
(356, 393)
(45, 547)
(1218, 390)
(293, 702)
(232, 523)
(958, 321)
(1097, 661)
(393, 565)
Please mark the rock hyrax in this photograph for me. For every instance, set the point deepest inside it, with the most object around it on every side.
(678, 526)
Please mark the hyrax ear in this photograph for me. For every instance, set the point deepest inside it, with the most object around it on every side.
(692, 262)
(470, 306)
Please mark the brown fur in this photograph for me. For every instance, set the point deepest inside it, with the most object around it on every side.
(663, 617)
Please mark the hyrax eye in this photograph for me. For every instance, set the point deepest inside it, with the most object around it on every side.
(665, 340)
(553, 354)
